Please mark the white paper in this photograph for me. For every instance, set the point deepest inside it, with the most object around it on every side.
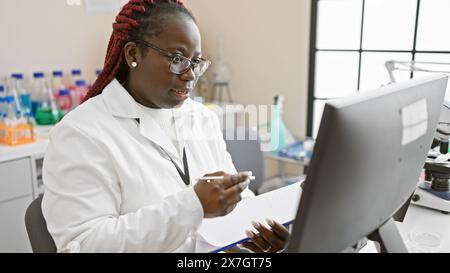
(279, 205)
(414, 121)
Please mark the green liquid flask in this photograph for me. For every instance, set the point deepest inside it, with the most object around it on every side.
(48, 116)
(48, 112)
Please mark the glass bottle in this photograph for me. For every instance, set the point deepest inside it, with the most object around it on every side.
(277, 127)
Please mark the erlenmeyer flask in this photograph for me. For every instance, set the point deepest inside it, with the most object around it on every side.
(48, 113)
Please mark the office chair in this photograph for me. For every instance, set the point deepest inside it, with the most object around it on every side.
(247, 156)
(40, 239)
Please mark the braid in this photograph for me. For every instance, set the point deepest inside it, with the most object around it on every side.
(136, 19)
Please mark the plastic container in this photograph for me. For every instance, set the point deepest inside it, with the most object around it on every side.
(75, 76)
(3, 110)
(12, 91)
(57, 82)
(65, 101)
(2, 100)
(78, 93)
(30, 128)
(15, 128)
(37, 91)
(23, 93)
(9, 121)
(83, 89)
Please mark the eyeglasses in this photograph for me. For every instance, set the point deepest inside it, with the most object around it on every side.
(180, 64)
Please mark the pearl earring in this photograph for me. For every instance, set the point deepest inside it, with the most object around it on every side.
(134, 64)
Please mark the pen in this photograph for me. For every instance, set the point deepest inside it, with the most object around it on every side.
(219, 178)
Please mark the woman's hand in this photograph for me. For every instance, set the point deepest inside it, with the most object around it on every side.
(268, 240)
(219, 197)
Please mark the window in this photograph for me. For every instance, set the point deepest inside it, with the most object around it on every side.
(352, 40)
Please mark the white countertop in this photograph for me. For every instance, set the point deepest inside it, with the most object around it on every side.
(426, 230)
(423, 230)
(8, 153)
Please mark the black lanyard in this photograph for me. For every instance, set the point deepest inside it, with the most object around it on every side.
(184, 175)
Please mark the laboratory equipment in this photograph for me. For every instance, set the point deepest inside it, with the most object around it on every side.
(57, 82)
(22, 92)
(433, 190)
(65, 101)
(78, 93)
(277, 127)
(15, 127)
(37, 91)
(367, 157)
(48, 112)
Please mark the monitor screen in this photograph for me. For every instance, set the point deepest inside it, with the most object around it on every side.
(367, 160)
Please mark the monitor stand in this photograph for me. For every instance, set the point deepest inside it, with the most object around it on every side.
(388, 238)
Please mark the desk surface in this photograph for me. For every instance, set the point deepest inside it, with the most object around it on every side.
(426, 230)
(423, 230)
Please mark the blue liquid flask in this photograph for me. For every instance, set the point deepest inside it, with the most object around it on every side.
(277, 127)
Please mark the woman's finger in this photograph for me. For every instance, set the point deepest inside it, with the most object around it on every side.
(270, 237)
(234, 191)
(258, 241)
(279, 230)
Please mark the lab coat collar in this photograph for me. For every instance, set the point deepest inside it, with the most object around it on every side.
(121, 104)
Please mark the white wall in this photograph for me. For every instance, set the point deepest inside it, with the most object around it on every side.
(48, 35)
(264, 42)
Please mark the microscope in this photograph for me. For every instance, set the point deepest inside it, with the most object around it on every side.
(433, 191)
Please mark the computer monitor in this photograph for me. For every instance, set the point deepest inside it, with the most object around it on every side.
(366, 163)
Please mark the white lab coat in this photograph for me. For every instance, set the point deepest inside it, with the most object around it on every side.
(110, 187)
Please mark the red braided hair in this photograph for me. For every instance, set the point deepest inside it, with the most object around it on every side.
(125, 22)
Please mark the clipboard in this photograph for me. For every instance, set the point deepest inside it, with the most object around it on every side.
(221, 233)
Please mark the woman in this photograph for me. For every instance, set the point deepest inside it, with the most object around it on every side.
(119, 170)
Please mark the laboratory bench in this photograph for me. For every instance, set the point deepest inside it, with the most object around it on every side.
(423, 230)
(20, 183)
